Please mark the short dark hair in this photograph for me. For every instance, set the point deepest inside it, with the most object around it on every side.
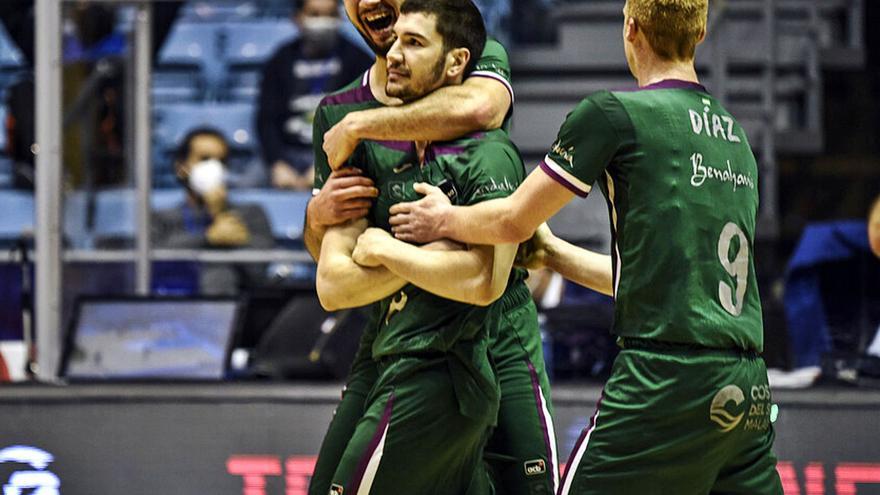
(182, 152)
(459, 22)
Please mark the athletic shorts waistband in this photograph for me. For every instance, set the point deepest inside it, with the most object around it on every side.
(515, 296)
(680, 347)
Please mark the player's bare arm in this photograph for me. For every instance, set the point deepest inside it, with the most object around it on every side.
(512, 219)
(476, 275)
(347, 195)
(450, 112)
(341, 283)
(582, 266)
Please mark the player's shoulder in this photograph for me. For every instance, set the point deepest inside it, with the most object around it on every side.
(486, 142)
(494, 49)
(354, 93)
(601, 101)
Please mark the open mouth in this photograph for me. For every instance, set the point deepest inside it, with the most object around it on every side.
(378, 20)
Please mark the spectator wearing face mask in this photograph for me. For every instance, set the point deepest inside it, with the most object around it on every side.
(208, 220)
(294, 80)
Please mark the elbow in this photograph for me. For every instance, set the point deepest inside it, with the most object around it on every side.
(331, 295)
(515, 232)
(485, 115)
(327, 296)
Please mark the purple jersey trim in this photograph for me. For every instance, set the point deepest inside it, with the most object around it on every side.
(403, 146)
(553, 175)
(536, 389)
(372, 446)
(669, 84)
(361, 94)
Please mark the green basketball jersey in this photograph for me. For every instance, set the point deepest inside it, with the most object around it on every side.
(681, 185)
(473, 169)
(357, 96)
(380, 158)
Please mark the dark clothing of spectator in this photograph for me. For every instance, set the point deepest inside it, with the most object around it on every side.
(185, 227)
(293, 84)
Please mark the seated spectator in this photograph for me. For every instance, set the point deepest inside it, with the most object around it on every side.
(295, 79)
(207, 220)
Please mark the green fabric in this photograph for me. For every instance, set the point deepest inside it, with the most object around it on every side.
(521, 453)
(480, 167)
(683, 423)
(684, 198)
(419, 455)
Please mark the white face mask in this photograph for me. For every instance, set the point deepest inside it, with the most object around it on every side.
(322, 24)
(206, 176)
(320, 32)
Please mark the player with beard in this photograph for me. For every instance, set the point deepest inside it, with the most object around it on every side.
(522, 451)
(428, 414)
(687, 409)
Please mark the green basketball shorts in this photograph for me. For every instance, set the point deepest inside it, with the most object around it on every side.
(678, 421)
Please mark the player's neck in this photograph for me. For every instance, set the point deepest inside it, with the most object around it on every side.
(378, 80)
(654, 70)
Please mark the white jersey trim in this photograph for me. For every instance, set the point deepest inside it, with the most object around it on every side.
(567, 177)
(497, 77)
(373, 465)
(610, 182)
(578, 455)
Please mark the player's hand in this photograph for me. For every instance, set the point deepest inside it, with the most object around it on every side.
(369, 246)
(346, 195)
(340, 142)
(533, 253)
(421, 221)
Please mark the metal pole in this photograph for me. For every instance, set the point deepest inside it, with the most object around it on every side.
(768, 151)
(48, 186)
(142, 133)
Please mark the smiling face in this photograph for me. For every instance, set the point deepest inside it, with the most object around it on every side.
(375, 20)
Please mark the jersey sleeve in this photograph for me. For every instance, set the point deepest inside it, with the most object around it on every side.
(585, 146)
(492, 170)
(322, 166)
(495, 64)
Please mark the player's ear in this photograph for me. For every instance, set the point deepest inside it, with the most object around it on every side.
(702, 36)
(631, 29)
(456, 62)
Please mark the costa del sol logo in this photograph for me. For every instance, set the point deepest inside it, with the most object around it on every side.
(718, 413)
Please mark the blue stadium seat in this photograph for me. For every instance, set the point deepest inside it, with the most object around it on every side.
(10, 56)
(192, 44)
(5, 172)
(252, 43)
(114, 212)
(285, 209)
(75, 221)
(192, 50)
(165, 199)
(249, 46)
(235, 120)
(114, 220)
(18, 215)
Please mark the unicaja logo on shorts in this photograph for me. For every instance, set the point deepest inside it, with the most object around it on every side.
(719, 414)
(335, 490)
(536, 467)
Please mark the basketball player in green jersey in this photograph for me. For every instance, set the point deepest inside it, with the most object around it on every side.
(427, 417)
(522, 451)
(687, 409)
